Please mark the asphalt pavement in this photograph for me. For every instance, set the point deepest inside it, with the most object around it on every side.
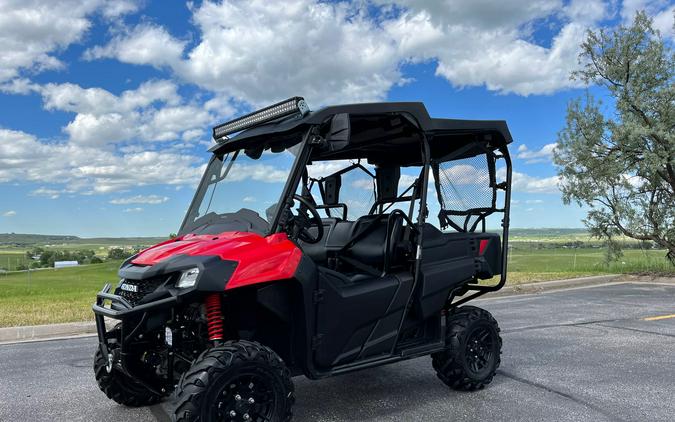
(583, 354)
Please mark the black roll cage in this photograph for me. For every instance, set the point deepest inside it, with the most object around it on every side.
(311, 139)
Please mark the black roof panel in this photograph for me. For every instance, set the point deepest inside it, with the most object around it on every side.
(415, 111)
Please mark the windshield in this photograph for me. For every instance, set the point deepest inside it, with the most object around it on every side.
(239, 192)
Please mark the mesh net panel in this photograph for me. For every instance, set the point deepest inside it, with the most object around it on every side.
(464, 186)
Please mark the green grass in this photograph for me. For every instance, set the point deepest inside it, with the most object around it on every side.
(52, 295)
(11, 259)
(527, 264)
(65, 295)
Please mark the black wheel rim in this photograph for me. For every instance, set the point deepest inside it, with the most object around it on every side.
(479, 349)
(248, 397)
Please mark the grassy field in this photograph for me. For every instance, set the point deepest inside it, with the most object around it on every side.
(528, 265)
(11, 259)
(50, 296)
(64, 295)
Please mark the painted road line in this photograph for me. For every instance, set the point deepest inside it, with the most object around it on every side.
(657, 318)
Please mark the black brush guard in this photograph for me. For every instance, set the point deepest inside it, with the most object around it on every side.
(120, 309)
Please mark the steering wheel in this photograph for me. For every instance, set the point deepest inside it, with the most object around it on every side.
(302, 222)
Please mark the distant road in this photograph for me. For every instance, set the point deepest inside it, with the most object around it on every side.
(603, 353)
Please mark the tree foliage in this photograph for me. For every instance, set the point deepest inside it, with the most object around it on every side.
(45, 258)
(619, 160)
(119, 253)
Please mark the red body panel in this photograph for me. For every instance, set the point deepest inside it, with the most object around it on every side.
(260, 259)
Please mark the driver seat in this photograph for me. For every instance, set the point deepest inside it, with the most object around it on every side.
(375, 244)
(370, 245)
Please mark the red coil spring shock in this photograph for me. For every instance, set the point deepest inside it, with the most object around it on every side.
(214, 317)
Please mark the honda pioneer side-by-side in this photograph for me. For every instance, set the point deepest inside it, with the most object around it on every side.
(318, 243)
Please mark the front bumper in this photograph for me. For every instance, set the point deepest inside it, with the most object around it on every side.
(133, 324)
(120, 308)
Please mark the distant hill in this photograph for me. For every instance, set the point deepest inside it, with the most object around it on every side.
(25, 240)
(548, 233)
(29, 240)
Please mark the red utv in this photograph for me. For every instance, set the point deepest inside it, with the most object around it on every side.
(308, 250)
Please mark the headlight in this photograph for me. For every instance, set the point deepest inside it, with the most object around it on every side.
(188, 278)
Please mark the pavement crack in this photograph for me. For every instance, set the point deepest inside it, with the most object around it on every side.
(568, 324)
(561, 394)
(637, 330)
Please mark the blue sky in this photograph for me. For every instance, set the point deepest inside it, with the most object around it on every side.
(107, 106)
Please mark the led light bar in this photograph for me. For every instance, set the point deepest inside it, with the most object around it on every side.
(295, 105)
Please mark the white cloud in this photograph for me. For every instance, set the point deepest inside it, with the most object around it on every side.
(464, 174)
(144, 44)
(33, 32)
(30, 30)
(245, 49)
(85, 169)
(9, 214)
(326, 168)
(261, 51)
(589, 11)
(484, 14)
(73, 98)
(153, 112)
(258, 172)
(366, 184)
(662, 12)
(249, 199)
(47, 192)
(117, 8)
(140, 199)
(545, 154)
(534, 201)
(530, 184)
(137, 209)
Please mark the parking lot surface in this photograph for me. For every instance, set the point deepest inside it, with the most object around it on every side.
(604, 353)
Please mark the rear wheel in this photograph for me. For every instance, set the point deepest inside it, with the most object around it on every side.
(119, 387)
(238, 381)
(472, 354)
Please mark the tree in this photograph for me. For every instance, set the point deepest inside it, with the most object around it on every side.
(119, 253)
(620, 162)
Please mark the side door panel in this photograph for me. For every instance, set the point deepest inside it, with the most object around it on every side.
(357, 319)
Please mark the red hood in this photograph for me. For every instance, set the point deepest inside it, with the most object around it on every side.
(259, 258)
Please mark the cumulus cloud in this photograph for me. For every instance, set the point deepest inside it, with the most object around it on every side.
(86, 169)
(153, 112)
(144, 44)
(245, 49)
(33, 31)
(545, 154)
(137, 209)
(9, 214)
(662, 11)
(48, 192)
(140, 199)
(531, 184)
(260, 51)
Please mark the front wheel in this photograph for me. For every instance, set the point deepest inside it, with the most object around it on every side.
(473, 348)
(237, 381)
(119, 387)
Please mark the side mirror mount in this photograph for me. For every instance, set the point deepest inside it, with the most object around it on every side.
(340, 131)
(387, 178)
(331, 189)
